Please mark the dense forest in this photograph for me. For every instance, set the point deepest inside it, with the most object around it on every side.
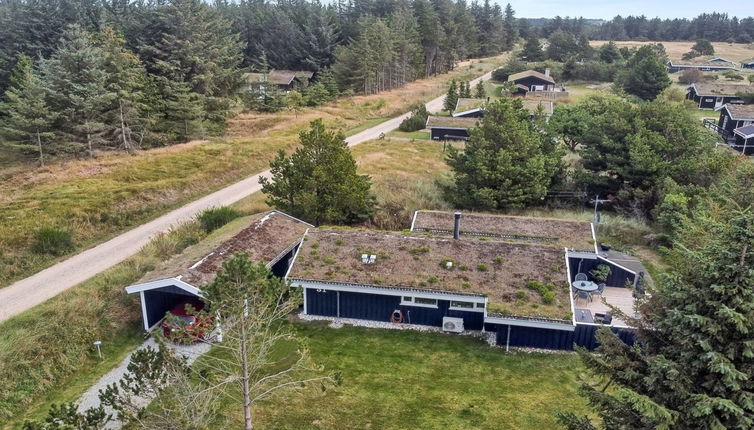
(716, 27)
(82, 75)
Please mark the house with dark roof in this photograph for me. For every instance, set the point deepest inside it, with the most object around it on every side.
(532, 80)
(284, 80)
(507, 275)
(748, 64)
(719, 65)
(474, 107)
(734, 126)
(710, 95)
(450, 128)
(271, 237)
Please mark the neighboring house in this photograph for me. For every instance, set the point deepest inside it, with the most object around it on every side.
(508, 275)
(748, 64)
(735, 126)
(271, 237)
(450, 128)
(284, 80)
(714, 95)
(720, 60)
(702, 65)
(474, 108)
(470, 107)
(531, 80)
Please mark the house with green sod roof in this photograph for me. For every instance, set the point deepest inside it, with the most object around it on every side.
(710, 95)
(509, 275)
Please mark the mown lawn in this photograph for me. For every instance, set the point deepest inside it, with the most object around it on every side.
(412, 380)
(97, 199)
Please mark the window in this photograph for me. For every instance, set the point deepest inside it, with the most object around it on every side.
(408, 299)
(465, 305)
(423, 301)
(480, 305)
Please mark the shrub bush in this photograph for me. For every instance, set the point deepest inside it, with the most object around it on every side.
(52, 240)
(690, 76)
(214, 218)
(417, 120)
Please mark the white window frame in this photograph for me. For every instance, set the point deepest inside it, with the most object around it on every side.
(476, 306)
(418, 305)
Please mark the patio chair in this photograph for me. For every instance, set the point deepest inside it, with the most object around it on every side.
(583, 295)
(601, 318)
(600, 289)
(581, 277)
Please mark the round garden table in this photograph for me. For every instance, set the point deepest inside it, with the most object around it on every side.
(586, 286)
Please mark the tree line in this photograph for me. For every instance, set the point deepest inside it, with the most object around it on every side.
(716, 27)
(77, 76)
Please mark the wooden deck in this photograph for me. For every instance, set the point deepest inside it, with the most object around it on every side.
(621, 298)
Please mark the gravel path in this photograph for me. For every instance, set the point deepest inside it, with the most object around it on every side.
(91, 397)
(52, 281)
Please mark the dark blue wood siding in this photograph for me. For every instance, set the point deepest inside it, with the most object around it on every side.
(618, 276)
(379, 307)
(532, 337)
(439, 133)
(584, 336)
(157, 302)
(532, 80)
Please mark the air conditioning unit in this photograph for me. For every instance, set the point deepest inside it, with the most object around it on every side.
(453, 325)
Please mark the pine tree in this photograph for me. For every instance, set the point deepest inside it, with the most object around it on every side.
(319, 182)
(76, 80)
(510, 27)
(451, 98)
(479, 91)
(27, 120)
(506, 163)
(532, 48)
(694, 367)
(644, 76)
(465, 90)
(126, 78)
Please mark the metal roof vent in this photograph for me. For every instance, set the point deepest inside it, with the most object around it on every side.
(372, 259)
(449, 265)
(368, 259)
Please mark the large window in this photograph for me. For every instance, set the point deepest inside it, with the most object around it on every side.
(465, 305)
(418, 301)
(423, 301)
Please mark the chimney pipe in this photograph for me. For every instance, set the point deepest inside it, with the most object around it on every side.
(457, 226)
(547, 71)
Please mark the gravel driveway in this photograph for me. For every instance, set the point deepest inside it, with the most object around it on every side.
(91, 397)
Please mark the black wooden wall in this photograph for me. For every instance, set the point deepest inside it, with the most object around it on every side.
(438, 133)
(544, 338)
(378, 307)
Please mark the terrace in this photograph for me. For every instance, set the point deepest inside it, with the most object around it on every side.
(520, 279)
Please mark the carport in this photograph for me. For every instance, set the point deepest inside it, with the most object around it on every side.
(158, 297)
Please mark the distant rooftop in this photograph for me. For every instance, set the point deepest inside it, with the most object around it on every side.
(278, 77)
(532, 73)
(705, 88)
(449, 121)
(266, 237)
(495, 269)
(741, 112)
(546, 231)
(466, 104)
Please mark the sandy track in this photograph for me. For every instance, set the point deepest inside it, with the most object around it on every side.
(48, 283)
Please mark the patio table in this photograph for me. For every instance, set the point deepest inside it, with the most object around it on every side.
(587, 286)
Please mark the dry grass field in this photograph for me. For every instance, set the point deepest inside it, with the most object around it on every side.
(732, 51)
(98, 198)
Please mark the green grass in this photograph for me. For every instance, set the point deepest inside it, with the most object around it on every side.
(423, 135)
(407, 379)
